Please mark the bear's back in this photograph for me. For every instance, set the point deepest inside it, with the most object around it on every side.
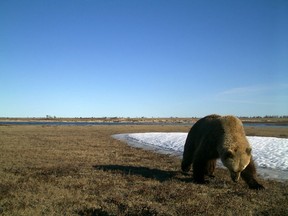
(220, 130)
(208, 128)
(231, 125)
(234, 133)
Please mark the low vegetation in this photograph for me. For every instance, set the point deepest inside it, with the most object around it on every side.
(279, 120)
(74, 170)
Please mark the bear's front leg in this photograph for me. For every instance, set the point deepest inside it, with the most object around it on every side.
(199, 169)
(248, 175)
(210, 168)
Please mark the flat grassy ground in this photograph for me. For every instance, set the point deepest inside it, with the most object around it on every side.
(74, 170)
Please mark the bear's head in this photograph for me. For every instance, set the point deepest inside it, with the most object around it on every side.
(236, 160)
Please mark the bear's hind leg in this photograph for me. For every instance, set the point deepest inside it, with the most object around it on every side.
(199, 170)
(248, 175)
(188, 156)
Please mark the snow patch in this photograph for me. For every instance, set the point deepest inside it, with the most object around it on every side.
(269, 153)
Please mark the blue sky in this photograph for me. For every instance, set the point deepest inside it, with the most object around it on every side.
(152, 58)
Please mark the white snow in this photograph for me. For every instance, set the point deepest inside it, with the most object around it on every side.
(269, 153)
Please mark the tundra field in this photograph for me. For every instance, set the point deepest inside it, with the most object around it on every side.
(82, 170)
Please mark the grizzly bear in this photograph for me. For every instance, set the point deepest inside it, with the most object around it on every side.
(223, 137)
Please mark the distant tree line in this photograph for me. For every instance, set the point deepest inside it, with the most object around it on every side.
(143, 117)
(265, 117)
(50, 117)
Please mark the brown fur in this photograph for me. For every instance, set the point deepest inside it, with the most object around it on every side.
(223, 137)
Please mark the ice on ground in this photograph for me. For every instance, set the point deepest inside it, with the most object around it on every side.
(269, 153)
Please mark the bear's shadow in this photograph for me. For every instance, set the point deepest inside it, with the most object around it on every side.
(145, 172)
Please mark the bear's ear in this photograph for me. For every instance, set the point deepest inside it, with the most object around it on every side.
(228, 154)
(248, 151)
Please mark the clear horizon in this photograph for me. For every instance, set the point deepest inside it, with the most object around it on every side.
(48, 117)
(143, 58)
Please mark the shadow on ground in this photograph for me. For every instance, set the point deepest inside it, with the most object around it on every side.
(145, 172)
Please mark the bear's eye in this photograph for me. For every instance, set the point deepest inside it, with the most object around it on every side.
(228, 154)
(248, 151)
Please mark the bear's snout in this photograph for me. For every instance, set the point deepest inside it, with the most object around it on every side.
(235, 176)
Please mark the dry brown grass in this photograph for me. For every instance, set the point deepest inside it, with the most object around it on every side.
(83, 171)
(267, 131)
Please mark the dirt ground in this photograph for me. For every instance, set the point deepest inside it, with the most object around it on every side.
(75, 170)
